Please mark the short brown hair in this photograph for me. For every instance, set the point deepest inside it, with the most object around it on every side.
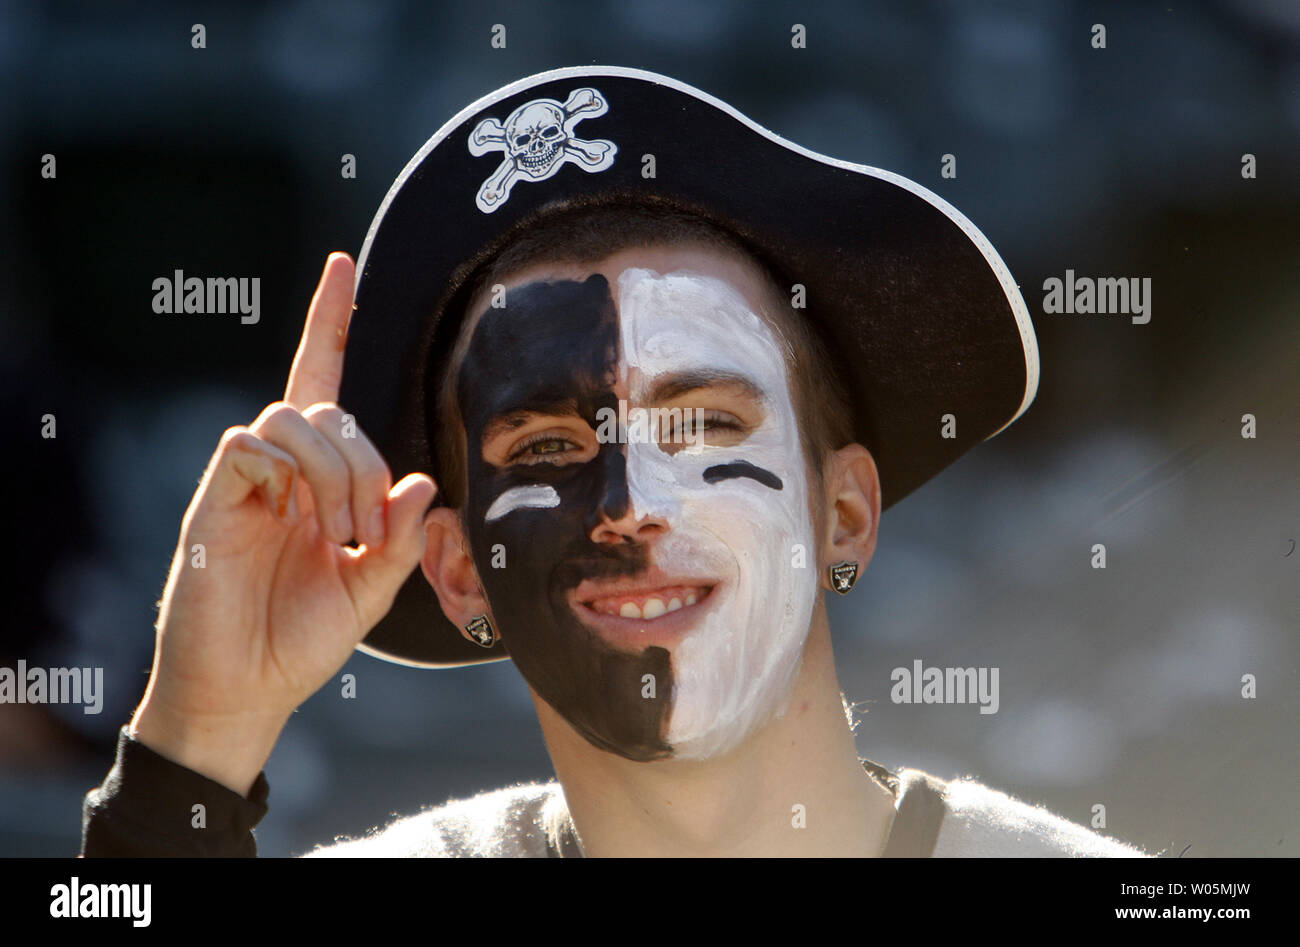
(588, 234)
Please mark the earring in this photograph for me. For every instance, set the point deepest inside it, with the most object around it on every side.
(480, 631)
(843, 575)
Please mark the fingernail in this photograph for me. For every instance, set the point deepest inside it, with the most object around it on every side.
(344, 520)
(377, 524)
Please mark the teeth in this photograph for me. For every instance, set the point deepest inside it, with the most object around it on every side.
(648, 610)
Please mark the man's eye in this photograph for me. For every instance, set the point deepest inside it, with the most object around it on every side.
(692, 425)
(542, 447)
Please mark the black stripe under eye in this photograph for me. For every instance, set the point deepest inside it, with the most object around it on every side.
(742, 468)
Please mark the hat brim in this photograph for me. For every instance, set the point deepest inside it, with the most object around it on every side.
(918, 306)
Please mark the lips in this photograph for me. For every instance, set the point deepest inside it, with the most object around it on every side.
(649, 604)
(652, 608)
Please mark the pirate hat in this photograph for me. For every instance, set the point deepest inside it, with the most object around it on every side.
(922, 312)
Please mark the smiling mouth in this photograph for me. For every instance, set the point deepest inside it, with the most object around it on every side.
(649, 604)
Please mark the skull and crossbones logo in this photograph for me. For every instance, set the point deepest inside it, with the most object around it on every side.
(537, 139)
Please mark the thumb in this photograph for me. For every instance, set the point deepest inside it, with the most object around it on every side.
(373, 575)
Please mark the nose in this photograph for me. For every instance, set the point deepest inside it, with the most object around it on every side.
(615, 519)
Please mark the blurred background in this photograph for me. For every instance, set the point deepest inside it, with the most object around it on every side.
(1120, 687)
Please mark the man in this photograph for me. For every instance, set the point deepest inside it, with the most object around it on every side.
(649, 462)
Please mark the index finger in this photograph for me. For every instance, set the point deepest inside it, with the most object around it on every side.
(318, 365)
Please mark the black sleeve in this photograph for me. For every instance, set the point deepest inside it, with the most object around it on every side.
(145, 809)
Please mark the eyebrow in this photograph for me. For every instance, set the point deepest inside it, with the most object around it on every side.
(512, 419)
(665, 387)
(679, 383)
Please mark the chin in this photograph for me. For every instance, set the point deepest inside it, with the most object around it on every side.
(753, 705)
(737, 673)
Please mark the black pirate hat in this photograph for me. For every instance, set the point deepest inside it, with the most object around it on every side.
(920, 309)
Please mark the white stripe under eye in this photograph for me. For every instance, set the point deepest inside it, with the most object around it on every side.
(534, 496)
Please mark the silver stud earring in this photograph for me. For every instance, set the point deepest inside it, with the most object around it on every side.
(843, 575)
(480, 631)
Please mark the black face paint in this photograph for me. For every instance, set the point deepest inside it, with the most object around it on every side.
(742, 468)
(557, 343)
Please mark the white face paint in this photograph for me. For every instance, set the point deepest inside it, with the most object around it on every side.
(735, 670)
(530, 496)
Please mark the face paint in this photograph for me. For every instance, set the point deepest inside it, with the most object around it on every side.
(733, 514)
(741, 468)
(554, 347)
(736, 511)
(532, 496)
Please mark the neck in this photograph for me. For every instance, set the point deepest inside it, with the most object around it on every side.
(740, 804)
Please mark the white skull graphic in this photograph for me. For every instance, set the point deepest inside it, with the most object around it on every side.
(538, 139)
(535, 134)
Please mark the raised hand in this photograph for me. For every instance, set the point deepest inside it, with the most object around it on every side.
(279, 602)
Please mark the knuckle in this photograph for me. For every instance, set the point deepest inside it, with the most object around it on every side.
(374, 476)
(327, 411)
(240, 441)
(339, 474)
(237, 441)
(235, 435)
(276, 414)
(332, 470)
(368, 466)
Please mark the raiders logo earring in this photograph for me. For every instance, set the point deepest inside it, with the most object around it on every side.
(843, 575)
(480, 631)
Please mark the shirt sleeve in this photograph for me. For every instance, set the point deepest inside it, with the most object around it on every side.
(145, 808)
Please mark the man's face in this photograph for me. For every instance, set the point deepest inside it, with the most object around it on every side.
(654, 583)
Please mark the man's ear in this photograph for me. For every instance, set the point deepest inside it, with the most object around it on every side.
(852, 509)
(449, 568)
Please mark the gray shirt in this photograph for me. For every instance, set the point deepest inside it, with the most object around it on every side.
(933, 817)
